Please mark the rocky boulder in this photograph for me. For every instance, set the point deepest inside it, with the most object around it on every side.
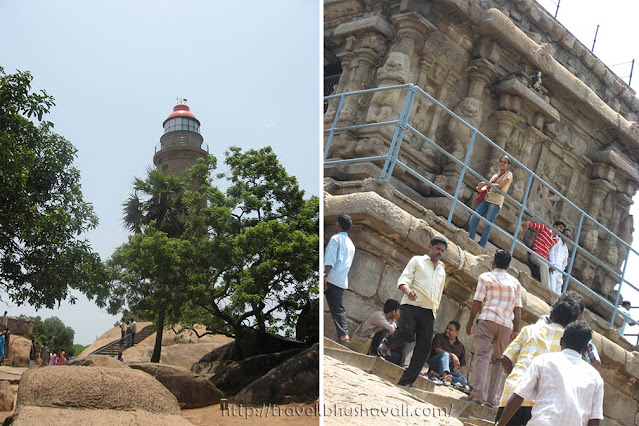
(307, 326)
(252, 343)
(6, 396)
(239, 374)
(98, 394)
(97, 361)
(191, 390)
(298, 377)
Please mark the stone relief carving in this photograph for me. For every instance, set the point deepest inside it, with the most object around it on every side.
(458, 135)
(386, 105)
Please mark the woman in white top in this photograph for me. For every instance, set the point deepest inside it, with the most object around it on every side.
(491, 204)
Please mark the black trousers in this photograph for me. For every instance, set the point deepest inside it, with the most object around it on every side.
(415, 325)
(334, 297)
(521, 417)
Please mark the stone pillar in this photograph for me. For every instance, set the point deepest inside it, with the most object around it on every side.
(506, 122)
(412, 28)
(364, 42)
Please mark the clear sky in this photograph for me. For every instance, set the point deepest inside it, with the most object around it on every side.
(250, 71)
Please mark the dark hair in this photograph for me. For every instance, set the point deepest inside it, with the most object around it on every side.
(507, 158)
(565, 311)
(559, 222)
(345, 222)
(577, 335)
(578, 298)
(391, 305)
(502, 259)
(438, 240)
(456, 324)
(626, 302)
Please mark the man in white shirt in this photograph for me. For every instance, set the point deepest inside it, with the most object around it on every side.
(558, 256)
(625, 308)
(566, 390)
(338, 258)
(422, 283)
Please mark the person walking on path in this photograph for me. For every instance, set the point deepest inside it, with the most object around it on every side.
(565, 389)
(134, 329)
(546, 238)
(490, 200)
(498, 296)
(122, 331)
(422, 283)
(338, 259)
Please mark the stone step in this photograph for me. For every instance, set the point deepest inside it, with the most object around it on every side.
(423, 389)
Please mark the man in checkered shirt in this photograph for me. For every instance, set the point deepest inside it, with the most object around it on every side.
(546, 238)
(534, 340)
(498, 295)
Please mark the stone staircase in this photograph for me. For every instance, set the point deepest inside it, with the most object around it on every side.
(424, 390)
(116, 346)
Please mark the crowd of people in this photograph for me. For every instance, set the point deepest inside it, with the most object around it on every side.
(542, 360)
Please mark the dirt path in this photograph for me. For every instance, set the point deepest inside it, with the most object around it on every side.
(290, 414)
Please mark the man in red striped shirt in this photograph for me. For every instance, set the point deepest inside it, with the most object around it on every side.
(546, 238)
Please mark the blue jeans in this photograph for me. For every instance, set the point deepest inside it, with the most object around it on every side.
(487, 210)
(441, 363)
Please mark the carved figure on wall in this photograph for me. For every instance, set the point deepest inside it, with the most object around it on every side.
(612, 254)
(591, 238)
(386, 105)
(535, 81)
(458, 134)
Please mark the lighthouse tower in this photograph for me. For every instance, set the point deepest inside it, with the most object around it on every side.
(181, 144)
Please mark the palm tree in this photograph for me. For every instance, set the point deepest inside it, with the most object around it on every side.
(158, 200)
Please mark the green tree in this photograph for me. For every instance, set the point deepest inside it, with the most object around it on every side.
(247, 256)
(255, 247)
(53, 332)
(146, 269)
(42, 211)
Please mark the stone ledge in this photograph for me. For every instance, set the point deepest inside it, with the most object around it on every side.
(385, 217)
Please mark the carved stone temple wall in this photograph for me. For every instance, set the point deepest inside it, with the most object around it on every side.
(518, 76)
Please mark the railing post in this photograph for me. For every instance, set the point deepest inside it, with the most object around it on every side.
(393, 151)
(574, 252)
(623, 274)
(330, 136)
(461, 176)
(521, 212)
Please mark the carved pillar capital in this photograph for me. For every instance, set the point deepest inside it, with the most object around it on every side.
(412, 29)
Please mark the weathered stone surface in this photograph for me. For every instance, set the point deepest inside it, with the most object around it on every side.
(618, 406)
(6, 396)
(29, 415)
(190, 389)
(366, 273)
(240, 374)
(298, 377)
(94, 388)
(307, 326)
(97, 361)
(252, 343)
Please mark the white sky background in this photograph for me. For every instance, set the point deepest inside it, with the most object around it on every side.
(617, 43)
(249, 69)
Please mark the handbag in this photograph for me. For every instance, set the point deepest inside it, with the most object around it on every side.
(483, 193)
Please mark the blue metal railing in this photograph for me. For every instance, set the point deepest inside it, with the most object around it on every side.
(391, 160)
